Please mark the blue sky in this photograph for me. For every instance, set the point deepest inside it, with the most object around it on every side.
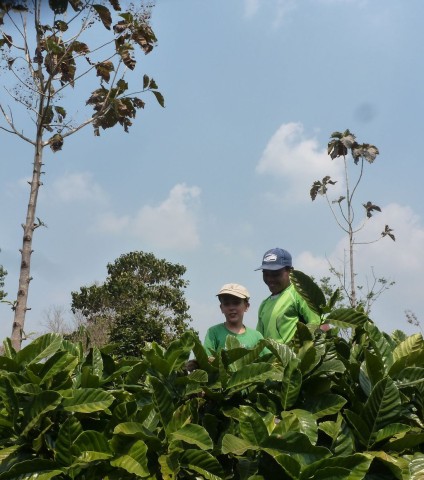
(253, 90)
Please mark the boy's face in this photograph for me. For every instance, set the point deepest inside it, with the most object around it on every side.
(233, 308)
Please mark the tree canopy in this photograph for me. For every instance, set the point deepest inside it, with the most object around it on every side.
(142, 300)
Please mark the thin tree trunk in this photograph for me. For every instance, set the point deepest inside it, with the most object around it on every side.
(26, 251)
(21, 305)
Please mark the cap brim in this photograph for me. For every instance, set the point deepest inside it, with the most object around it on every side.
(232, 293)
(270, 267)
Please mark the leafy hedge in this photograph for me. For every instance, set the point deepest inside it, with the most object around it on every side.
(323, 407)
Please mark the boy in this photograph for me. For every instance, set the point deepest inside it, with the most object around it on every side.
(234, 303)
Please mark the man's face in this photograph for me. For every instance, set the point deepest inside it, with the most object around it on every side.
(277, 280)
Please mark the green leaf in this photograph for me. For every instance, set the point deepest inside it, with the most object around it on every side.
(66, 437)
(305, 422)
(87, 400)
(347, 318)
(194, 435)
(252, 426)
(390, 431)
(416, 467)
(309, 290)
(58, 363)
(326, 404)
(381, 408)
(203, 463)
(42, 403)
(298, 446)
(251, 374)
(41, 348)
(93, 446)
(135, 461)
(34, 469)
(290, 387)
(163, 401)
(351, 467)
(236, 445)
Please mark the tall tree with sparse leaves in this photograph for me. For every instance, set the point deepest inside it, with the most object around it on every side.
(342, 208)
(47, 49)
(142, 300)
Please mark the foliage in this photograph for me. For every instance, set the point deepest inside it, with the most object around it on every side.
(48, 49)
(142, 299)
(321, 407)
(3, 274)
(343, 211)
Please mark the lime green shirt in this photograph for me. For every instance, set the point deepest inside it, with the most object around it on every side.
(216, 336)
(278, 315)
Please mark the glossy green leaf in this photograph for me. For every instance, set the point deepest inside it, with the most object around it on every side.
(329, 468)
(42, 404)
(87, 400)
(250, 374)
(390, 431)
(309, 290)
(33, 469)
(135, 460)
(327, 404)
(298, 446)
(290, 387)
(382, 407)
(66, 437)
(347, 318)
(252, 426)
(203, 463)
(416, 467)
(194, 435)
(41, 348)
(163, 401)
(236, 445)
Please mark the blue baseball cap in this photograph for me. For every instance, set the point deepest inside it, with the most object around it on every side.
(276, 259)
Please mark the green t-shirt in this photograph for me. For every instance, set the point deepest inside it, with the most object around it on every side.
(216, 336)
(278, 315)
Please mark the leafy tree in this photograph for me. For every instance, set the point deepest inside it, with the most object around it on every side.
(343, 211)
(142, 300)
(48, 49)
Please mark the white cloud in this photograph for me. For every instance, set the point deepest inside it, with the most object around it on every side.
(111, 223)
(298, 161)
(250, 8)
(171, 224)
(78, 187)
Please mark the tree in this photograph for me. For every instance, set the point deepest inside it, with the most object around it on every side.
(340, 145)
(142, 299)
(44, 51)
(3, 274)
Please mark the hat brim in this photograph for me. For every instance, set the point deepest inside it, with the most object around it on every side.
(232, 293)
(272, 267)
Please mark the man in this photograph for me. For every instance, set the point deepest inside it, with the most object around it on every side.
(280, 312)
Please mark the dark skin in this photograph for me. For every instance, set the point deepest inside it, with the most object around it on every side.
(277, 280)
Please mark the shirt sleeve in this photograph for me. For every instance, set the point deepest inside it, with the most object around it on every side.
(209, 342)
(260, 325)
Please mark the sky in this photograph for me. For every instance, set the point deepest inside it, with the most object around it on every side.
(253, 90)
